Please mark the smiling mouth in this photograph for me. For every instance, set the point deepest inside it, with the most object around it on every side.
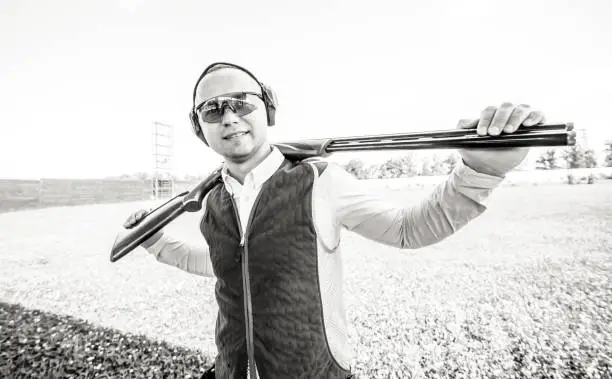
(235, 135)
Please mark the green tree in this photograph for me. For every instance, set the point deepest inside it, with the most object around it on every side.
(573, 156)
(432, 165)
(402, 167)
(450, 162)
(426, 166)
(372, 172)
(547, 161)
(590, 159)
(608, 154)
(578, 157)
(390, 169)
(356, 168)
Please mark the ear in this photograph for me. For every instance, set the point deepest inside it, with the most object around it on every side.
(271, 102)
(270, 94)
(195, 126)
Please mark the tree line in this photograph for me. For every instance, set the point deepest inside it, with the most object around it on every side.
(573, 157)
(410, 165)
(405, 166)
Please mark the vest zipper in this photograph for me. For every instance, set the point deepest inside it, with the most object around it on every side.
(246, 288)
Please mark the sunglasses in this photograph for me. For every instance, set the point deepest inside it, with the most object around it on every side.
(212, 110)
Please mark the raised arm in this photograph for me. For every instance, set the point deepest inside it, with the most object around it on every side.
(408, 224)
(453, 203)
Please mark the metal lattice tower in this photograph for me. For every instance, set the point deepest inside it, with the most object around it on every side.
(163, 160)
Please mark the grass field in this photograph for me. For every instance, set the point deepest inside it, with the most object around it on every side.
(523, 291)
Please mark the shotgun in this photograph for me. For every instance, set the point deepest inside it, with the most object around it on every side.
(191, 201)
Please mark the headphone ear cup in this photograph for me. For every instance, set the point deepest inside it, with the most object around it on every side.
(271, 103)
(195, 126)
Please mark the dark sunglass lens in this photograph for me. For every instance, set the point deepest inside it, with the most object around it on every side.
(242, 107)
(212, 112)
(211, 115)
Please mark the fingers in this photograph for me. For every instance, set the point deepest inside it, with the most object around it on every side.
(519, 114)
(135, 218)
(533, 119)
(130, 221)
(507, 119)
(486, 116)
(501, 117)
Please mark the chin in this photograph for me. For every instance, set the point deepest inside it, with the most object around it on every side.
(241, 154)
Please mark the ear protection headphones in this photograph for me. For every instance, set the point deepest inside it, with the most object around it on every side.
(268, 95)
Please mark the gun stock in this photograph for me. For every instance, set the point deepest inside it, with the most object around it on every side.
(297, 151)
(158, 218)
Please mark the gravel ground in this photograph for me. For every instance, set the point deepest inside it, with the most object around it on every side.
(523, 291)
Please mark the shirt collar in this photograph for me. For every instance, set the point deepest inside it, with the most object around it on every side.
(258, 175)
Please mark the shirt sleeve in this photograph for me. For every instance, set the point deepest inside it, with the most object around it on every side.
(403, 222)
(192, 258)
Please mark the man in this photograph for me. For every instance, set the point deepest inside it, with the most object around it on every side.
(273, 229)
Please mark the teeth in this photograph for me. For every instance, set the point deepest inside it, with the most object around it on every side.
(236, 135)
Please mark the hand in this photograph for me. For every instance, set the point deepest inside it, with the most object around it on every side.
(494, 121)
(134, 219)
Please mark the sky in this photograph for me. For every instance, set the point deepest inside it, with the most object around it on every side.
(82, 82)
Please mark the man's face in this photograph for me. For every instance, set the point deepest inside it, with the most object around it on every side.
(233, 118)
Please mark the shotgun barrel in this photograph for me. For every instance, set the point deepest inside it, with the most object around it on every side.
(543, 135)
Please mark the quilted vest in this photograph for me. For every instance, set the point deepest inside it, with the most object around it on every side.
(277, 265)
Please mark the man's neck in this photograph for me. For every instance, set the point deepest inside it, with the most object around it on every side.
(239, 170)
